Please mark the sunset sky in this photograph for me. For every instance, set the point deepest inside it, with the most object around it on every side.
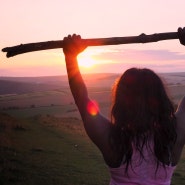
(25, 21)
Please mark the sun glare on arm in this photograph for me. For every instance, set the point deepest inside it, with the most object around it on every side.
(92, 108)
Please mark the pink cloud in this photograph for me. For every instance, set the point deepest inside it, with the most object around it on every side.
(140, 55)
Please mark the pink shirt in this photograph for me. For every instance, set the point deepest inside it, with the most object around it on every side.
(142, 172)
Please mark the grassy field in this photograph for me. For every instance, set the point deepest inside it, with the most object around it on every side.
(45, 149)
(42, 140)
(48, 150)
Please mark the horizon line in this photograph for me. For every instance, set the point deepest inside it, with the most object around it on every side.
(40, 76)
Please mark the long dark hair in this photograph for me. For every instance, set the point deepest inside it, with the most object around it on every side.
(141, 109)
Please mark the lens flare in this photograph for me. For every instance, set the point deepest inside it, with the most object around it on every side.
(92, 108)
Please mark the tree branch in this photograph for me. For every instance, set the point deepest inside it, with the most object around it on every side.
(143, 38)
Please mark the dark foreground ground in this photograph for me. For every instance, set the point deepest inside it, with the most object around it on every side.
(45, 149)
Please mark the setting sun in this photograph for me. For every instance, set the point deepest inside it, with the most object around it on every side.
(86, 60)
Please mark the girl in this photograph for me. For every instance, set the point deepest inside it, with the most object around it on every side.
(143, 140)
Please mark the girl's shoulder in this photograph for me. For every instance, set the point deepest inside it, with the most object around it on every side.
(180, 116)
(180, 129)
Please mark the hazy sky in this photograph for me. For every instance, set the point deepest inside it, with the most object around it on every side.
(25, 21)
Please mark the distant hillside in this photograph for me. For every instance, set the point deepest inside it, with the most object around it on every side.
(19, 85)
(13, 87)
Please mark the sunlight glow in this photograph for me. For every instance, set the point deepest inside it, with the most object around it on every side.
(92, 57)
(87, 60)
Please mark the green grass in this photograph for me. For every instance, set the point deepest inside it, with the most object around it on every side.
(29, 112)
(43, 154)
(48, 150)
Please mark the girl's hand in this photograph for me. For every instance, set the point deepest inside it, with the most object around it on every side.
(73, 45)
(181, 35)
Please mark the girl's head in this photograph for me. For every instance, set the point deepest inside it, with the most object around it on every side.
(139, 100)
(141, 107)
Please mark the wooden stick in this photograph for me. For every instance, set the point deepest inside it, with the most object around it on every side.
(24, 48)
